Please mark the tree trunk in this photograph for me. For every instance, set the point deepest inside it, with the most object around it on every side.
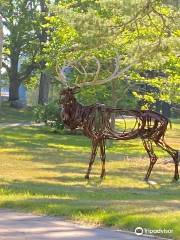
(1, 47)
(113, 121)
(14, 90)
(166, 109)
(158, 106)
(43, 89)
(114, 101)
(176, 3)
(14, 82)
(44, 81)
(14, 94)
(1, 41)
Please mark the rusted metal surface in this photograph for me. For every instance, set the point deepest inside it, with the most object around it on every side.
(95, 122)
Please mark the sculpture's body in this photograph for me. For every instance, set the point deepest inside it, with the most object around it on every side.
(95, 121)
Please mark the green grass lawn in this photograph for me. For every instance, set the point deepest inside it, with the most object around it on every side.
(43, 172)
(11, 115)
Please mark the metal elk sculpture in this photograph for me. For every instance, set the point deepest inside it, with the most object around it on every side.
(95, 121)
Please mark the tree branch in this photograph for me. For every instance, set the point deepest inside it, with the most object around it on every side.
(27, 72)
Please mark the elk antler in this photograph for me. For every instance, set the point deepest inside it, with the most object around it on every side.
(60, 75)
(95, 81)
(82, 70)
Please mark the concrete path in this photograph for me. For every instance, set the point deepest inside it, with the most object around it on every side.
(22, 226)
(20, 124)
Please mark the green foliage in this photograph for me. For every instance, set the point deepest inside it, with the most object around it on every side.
(21, 22)
(134, 29)
(49, 114)
(168, 86)
(24, 41)
(144, 33)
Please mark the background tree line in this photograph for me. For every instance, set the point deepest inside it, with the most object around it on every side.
(40, 34)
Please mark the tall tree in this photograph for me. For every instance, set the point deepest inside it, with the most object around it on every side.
(21, 43)
(145, 31)
(44, 84)
(1, 42)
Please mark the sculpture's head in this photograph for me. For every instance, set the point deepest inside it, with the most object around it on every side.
(67, 95)
(68, 111)
(89, 70)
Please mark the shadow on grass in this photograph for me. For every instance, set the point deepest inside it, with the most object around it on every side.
(38, 137)
(92, 189)
(67, 193)
(34, 142)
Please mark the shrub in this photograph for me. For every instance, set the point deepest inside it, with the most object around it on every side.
(49, 114)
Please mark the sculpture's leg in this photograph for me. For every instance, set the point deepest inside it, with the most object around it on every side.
(93, 156)
(103, 157)
(153, 158)
(174, 154)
